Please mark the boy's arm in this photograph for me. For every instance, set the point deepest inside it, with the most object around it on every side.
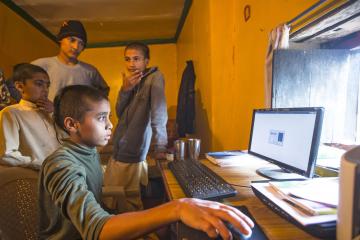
(126, 92)
(65, 182)
(158, 114)
(199, 214)
(9, 141)
(122, 101)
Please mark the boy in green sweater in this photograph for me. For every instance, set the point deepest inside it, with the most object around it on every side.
(71, 180)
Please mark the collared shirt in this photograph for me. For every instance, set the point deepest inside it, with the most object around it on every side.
(27, 135)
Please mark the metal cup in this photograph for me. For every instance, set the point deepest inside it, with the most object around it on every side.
(179, 149)
(194, 148)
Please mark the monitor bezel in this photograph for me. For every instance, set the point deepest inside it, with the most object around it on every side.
(314, 143)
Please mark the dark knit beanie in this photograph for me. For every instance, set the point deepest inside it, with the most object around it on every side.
(72, 28)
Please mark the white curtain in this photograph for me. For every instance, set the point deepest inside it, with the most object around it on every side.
(278, 39)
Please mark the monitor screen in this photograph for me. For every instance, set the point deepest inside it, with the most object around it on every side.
(287, 137)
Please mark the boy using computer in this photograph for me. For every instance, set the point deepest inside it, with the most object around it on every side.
(71, 180)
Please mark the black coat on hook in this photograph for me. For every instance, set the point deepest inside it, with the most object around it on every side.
(185, 114)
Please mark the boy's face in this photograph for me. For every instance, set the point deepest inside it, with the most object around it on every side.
(95, 129)
(71, 47)
(35, 88)
(135, 60)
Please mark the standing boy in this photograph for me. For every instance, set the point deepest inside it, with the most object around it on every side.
(27, 134)
(142, 113)
(65, 69)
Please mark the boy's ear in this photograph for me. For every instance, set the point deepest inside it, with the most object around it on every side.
(19, 86)
(71, 124)
(146, 61)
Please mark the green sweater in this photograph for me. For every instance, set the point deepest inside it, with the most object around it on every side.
(69, 194)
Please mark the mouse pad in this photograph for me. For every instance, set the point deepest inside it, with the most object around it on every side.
(185, 232)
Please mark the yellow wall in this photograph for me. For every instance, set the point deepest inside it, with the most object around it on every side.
(20, 41)
(194, 44)
(229, 56)
(110, 63)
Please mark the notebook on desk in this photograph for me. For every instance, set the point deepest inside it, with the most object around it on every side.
(323, 226)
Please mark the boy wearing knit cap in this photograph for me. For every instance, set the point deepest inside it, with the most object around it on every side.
(65, 69)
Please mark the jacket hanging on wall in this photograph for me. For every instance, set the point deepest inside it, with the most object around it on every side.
(185, 115)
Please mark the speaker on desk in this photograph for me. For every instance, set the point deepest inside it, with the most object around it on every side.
(348, 224)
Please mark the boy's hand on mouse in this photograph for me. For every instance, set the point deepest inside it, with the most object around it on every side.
(45, 105)
(208, 216)
(131, 80)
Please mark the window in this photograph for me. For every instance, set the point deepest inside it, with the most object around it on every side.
(326, 78)
(322, 68)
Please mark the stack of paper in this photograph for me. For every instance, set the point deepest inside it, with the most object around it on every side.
(317, 196)
(225, 158)
(276, 201)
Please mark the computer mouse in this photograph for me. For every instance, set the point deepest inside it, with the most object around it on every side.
(237, 235)
(186, 232)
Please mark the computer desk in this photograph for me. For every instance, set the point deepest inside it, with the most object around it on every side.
(274, 226)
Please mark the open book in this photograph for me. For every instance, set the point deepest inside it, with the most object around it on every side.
(275, 201)
(225, 158)
(314, 196)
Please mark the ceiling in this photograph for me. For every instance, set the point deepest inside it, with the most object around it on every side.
(338, 22)
(118, 22)
(108, 22)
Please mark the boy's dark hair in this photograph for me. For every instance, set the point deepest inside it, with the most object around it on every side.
(141, 47)
(73, 101)
(24, 71)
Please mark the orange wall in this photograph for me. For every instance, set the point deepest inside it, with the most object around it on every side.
(229, 54)
(194, 44)
(20, 41)
(110, 63)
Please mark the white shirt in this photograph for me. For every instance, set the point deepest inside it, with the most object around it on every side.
(27, 135)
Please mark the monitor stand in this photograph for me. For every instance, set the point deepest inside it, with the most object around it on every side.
(278, 174)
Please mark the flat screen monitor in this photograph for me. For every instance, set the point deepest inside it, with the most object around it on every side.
(287, 137)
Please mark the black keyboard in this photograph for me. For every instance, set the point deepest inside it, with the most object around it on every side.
(198, 181)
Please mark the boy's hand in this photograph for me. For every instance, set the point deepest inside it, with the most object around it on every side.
(130, 81)
(208, 216)
(45, 105)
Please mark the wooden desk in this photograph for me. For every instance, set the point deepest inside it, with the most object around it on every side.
(274, 226)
